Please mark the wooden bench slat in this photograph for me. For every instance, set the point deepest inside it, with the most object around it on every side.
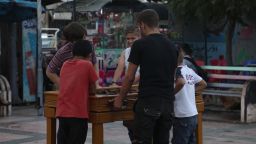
(231, 81)
(222, 93)
(232, 77)
(225, 85)
(230, 68)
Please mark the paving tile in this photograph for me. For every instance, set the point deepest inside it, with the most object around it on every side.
(7, 137)
(25, 127)
(36, 142)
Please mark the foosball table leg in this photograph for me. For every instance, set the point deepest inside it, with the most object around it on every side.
(97, 133)
(200, 129)
(51, 130)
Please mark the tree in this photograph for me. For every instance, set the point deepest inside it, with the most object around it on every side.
(216, 15)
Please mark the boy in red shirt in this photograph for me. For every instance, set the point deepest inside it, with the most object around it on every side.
(77, 82)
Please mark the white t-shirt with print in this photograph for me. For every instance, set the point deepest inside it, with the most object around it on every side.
(185, 103)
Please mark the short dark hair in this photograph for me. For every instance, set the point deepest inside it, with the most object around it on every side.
(186, 48)
(148, 17)
(74, 31)
(82, 48)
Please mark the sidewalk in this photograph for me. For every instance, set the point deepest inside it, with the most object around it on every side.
(25, 127)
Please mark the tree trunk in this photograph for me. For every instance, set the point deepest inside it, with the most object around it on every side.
(229, 41)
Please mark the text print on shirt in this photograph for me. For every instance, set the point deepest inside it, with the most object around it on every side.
(190, 79)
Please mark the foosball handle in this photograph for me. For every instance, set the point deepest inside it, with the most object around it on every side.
(111, 104)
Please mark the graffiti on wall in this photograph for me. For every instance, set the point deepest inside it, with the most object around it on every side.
(214, 50)
(244, 50)
(109, 57)
(243, 45)
(107, 61)
(29, 39)
(241, 54)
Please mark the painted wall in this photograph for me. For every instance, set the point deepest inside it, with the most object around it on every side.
(107, 61)
(193, 35)
(244, 42)
(109, 56)
(245, 46)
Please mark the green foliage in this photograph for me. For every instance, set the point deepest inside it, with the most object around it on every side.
(214, 11)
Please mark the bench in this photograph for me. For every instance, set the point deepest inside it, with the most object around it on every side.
(5, 97)
(231, 81)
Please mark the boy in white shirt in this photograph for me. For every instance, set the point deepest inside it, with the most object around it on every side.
(132, 34)
(185, 111)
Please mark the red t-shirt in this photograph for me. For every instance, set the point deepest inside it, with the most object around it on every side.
(75, 77)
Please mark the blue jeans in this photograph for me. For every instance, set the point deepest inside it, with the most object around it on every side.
(129, 124)
(184, 130)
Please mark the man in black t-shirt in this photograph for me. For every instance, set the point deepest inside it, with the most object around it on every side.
(157, 58)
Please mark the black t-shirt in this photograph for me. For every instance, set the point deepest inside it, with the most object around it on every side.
(157, 58)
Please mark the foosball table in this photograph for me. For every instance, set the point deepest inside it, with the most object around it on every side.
(101, 111)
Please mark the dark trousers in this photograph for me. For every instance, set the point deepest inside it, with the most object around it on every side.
(152, 122)
(129, 124)
(72, 131)
(184, 130)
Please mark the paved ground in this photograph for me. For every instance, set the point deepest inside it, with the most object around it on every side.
(24, 127)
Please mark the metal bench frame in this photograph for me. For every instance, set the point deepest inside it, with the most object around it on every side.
(231, 89)
(5, 97)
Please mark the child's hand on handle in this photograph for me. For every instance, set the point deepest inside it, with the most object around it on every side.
(118, 102)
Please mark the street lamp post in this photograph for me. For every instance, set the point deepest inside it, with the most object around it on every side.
(39, 72)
